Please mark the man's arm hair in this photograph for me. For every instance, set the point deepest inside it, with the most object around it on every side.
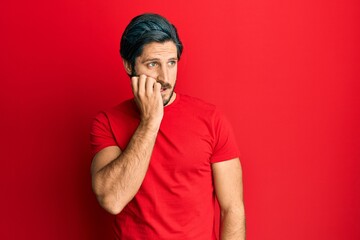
(117, 175)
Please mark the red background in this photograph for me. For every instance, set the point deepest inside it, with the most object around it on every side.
(286, 73)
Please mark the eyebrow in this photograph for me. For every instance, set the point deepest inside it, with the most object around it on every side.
(158, 59)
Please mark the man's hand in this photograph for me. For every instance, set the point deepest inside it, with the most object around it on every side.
(148, 99)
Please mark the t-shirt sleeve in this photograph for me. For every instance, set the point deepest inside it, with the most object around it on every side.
(101, 135)
(225, 146)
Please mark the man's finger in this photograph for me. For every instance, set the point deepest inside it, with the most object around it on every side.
(150, 86)
(157, 87)
(134, 84)
(141, 85)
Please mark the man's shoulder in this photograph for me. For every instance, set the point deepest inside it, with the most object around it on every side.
(126, 105)
(123, 109)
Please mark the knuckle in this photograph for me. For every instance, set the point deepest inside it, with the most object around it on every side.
(134, 78)
(157, 85)
(150, 80)
(138, 95)
(143, 77)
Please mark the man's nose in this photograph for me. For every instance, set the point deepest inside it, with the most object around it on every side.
(163, 74)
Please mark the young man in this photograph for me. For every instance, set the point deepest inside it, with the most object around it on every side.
(162, 157)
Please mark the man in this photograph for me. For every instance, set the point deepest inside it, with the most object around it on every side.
(162, 157)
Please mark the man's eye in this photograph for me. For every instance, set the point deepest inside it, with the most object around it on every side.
(172, 63)
(152, 64)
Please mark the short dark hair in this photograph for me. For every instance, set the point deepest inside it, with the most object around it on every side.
(145, 29)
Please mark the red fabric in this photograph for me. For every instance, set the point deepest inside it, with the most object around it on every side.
(176, 199)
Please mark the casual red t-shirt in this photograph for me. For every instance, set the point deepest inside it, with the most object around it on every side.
(176, 199)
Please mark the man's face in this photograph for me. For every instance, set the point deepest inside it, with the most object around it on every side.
(159, 61)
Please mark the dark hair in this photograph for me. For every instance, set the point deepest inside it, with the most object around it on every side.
(144, 29)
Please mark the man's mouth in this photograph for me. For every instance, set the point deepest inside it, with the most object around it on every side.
(164, 86)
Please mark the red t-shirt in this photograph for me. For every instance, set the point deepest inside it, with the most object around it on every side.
(176, 199)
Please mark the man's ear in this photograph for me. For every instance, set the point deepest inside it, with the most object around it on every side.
(127, 67)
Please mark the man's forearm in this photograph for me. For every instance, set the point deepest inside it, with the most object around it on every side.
(233, 225)
(118, 182)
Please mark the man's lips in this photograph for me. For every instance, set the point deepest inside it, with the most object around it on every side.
(163, 89)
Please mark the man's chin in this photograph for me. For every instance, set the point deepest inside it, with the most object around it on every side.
(167, 100)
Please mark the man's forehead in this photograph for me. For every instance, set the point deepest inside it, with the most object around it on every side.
(157, 50)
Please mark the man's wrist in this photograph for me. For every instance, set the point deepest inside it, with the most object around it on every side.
(150, 125)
